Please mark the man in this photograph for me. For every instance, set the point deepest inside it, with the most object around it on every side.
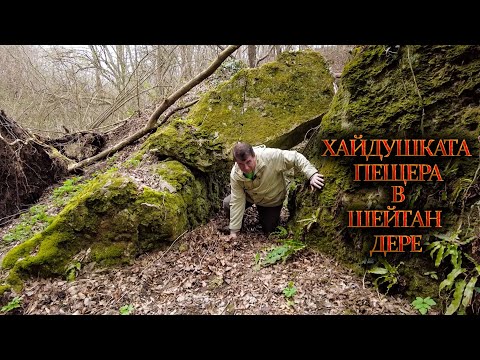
(257, 178)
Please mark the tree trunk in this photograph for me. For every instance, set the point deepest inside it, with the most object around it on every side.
(252, 56)
(278, 50)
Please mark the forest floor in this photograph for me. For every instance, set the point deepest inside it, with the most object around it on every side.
(202, 273)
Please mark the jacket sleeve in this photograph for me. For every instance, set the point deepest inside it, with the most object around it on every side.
(237, 204)
(290, 158)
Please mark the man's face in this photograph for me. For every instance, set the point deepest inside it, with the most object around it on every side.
(248, 165)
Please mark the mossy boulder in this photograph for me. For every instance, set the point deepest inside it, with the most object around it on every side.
(417, 92)
(273, 105)
(116, 219)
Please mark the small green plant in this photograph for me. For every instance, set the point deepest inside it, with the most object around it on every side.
(257, 259)
(131, 163)
(15, 303)
(387, 274)
(279, 233)
(69, 188)
(289, 292)
(423, 305)
(112, 159)
(36, 219)
(280, 253)
(310, 221)
(126, 309)
(73, 270)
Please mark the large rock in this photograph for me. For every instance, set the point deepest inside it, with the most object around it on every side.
(112, 220)
(429, 92)
(117, 216)
(273, 105)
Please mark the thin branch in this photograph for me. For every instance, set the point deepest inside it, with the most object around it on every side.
(119, 123)
(178, 109)
(263, 58)
(47, 131)
(416, 87)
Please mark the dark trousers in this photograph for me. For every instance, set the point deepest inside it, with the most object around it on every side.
(269, 216)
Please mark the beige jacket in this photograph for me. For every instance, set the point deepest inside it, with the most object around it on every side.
(269, 186)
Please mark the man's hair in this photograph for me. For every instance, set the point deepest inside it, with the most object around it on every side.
(242, 150)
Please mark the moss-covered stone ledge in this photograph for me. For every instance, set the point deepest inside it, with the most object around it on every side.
(274, 105)
(116, 219)
(429, 92)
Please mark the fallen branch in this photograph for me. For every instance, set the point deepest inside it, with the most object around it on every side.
(152, 122)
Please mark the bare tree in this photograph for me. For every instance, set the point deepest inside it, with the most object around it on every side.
(52, 88)
(152, 122)
(252, 56)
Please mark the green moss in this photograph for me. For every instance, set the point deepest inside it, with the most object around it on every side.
(259, 106)
(175, 173)
(21, 251)
(108, 254)
(93, 215)
(4, 289)
(153, 206)
(419, 284)
(382, 92)
(379, 99)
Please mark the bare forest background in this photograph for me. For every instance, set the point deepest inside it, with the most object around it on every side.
(58, 89)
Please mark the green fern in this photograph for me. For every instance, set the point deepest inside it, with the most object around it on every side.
(387, 274)
(15, 303)
(280, 253)
(460, 280)
(310, 221)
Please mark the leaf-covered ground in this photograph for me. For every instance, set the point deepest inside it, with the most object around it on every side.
(202, 273)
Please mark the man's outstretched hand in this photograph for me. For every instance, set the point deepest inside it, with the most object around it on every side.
(317, 181)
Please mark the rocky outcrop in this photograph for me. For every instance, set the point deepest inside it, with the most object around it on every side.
(272, 105)
(416, 92)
